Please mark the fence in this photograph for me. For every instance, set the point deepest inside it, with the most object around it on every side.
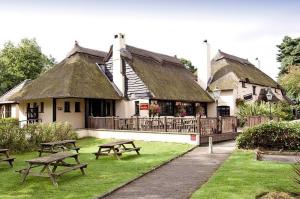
(256, 120)
(207, 126)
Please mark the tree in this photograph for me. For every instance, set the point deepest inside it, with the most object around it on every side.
(20, 62)
(289, 53)
(188, 64)
(291, 81)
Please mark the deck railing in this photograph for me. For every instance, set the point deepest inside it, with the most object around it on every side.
(206, 126)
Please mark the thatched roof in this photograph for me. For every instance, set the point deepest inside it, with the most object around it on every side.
(76, 76)
(165, 76)
(242, 68)
(91, 52)
(6, 97)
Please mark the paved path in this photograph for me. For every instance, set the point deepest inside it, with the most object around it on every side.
(179, 178)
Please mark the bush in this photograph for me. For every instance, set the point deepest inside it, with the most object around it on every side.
(282, 110)
(9, 121)
(272, 135)
(30, 136)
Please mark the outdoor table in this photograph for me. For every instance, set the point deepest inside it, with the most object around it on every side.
(57, 146)
(49, 165)
(7, 158)
(117, 148)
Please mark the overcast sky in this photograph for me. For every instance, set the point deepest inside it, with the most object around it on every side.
(248, 29)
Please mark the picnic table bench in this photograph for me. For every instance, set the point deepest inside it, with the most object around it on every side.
(117, 148)
(50, 164)
(7, 158)
(58, 146)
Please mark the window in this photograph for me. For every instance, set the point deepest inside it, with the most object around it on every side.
(166, 108)
(248, 97)
(7, 111)
(42, 107)
(244, 84)
(223, 111)
(275, 90)
(67, 107)
(34, 105)
(254, 90)
(137, 108)
(28, 105)
(77, 107)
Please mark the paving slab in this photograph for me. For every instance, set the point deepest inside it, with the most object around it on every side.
(180, 177)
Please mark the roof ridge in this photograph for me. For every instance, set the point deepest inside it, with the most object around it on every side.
(16, 86)
(232, 57)
(154, 55)
(80, 49)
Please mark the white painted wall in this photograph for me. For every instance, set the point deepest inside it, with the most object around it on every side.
(75, 119)
(15, 111)
(46, 116)
(160, 137)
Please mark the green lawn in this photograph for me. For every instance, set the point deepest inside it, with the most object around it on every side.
(242, 177)
(101, 175)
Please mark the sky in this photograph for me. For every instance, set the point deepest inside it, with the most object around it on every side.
(248, 29)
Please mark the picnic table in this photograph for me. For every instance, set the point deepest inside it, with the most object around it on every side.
(7, 158)
(58, 146)
(117, 148)
(50, 164)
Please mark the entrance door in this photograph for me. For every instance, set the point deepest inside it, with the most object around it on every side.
(32, 115)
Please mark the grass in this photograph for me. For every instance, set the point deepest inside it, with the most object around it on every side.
(242, 177)
(101, 175)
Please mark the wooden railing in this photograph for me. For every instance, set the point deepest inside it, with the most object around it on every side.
(257, 120)
(207, 126)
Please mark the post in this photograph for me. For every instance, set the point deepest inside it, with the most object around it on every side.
(165, 122)
(137, 123)
(270, 110)
(199, 128)
(113, 122)
(210, 145)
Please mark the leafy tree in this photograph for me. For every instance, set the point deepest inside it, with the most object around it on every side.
(20, 62)
(188, 64)
(289, 53)
(291, 81)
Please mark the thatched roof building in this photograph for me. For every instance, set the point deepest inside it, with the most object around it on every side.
(223, 65)
(164, 76)
(6, 98)
(76, 76)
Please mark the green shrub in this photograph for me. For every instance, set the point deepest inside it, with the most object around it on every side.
(9, 121)
(272, 135)
(30, 136)
(282, 110)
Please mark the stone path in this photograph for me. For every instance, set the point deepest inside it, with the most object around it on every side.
(179, 178)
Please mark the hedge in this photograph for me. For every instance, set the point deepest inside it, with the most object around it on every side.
(272, 135)
(30, 136)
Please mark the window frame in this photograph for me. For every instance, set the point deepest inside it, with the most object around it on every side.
(67, 106)
(77, 107)
(137, 108)
(254, 90)
(42, 107)
(244, 85)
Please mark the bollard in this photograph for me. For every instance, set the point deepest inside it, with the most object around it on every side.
(210, 145)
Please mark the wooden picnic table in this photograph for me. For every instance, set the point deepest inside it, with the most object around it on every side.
(117, 148)
(50, 164)
(58, 146)
(7, 158)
